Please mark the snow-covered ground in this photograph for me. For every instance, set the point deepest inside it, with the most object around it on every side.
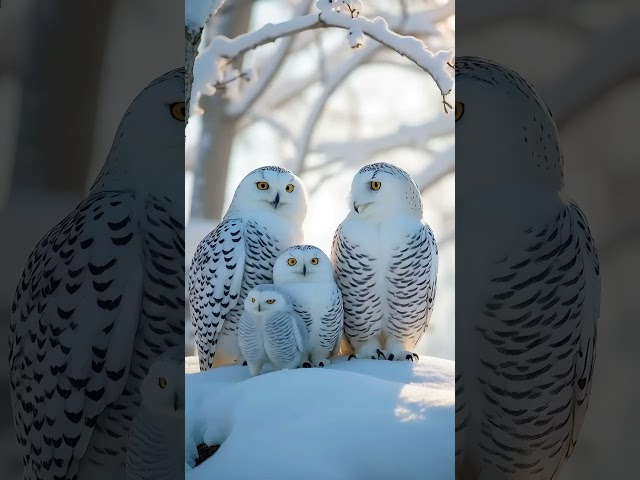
(356, 420)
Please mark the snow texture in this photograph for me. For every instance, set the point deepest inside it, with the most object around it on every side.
(357, 420)
(213, 58)
(197, 12)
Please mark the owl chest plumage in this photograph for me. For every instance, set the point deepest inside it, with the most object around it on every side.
(386, 273)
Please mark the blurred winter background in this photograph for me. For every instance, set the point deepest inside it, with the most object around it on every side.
(323, 110)
(584, 57)
(68, 71)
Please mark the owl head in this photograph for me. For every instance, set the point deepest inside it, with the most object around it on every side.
(304, 264)
(148, 150)
(382, 190)
(162, 389)
(271, 189)
(267, 299)
(505, 133)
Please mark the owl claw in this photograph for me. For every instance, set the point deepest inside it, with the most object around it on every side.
(321, 364)
(380, 352)
(244, 364)
(353, 355)
(306, 365)
(410, 357)
(391, 357)
(416, 356)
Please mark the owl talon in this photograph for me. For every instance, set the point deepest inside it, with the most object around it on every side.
(306, 365)
(353, 355)
(415, 355)
(391, 357)
(244, 364)
(409, 357)
(321, 364)
(380, 352)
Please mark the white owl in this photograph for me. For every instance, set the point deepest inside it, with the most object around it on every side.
(270, 330)
(265, 217)
(386, 264)
(306, 273)
(159, 422)
(526, 329)
(101, 296)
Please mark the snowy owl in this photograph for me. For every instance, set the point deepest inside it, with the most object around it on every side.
(306, 273)
(101, 296)
(270, 331)
(526, 330)
(265, 217)
(386, 263)
(151, 450)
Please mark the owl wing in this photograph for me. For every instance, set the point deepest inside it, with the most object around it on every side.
(536, 338)
(73, 325)
(332, 322)
(215, 280)
(300, 332)
(356, 279)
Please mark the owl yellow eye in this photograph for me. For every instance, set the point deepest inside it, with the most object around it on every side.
(253, 300)
(289, 188)
(459, 110)
(292, 262)
(375, 185)
(178, 111)
(262, 186)
(270, 301)
(314, 261)
(162, 382)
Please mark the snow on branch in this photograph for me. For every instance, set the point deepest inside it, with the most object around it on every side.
(213, 63)
(405, 135)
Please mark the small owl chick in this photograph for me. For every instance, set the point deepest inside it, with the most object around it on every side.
(270, 331)
(151, 450)
(306, 273)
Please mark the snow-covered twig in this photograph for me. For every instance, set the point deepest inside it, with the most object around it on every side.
(333, 81)
(241, 105)
(405, 135)
(377, 29)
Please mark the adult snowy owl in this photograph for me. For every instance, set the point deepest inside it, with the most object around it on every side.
(306, 273)
(101, 296)
(270, 331)
(386, 264)
(265, 217)
(526, 330)
(151, 451)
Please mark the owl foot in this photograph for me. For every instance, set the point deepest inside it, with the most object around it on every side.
(306, 365)
(365, 356)
(402, 356)
(321, 362)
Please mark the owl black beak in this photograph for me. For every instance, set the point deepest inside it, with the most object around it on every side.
(276, 201)
(304, 271)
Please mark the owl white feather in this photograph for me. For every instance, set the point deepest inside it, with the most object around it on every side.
(386, 264)
(270, 330)
(306, 273)
(526, 330)
(151, 449)
(265, 217)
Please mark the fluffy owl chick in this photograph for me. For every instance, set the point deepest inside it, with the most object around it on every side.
(265, 217)
(270, 330)
(386, 264)
(526, 331)
(306, 274)
(151, 450)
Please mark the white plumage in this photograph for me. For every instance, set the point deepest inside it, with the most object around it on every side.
(101, 297)
(159, 422)
(386, 264)
(265, 217)
(270, 331)
(306, 273)
(526, 330)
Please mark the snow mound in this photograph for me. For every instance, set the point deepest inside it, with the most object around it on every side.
(357, 420)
